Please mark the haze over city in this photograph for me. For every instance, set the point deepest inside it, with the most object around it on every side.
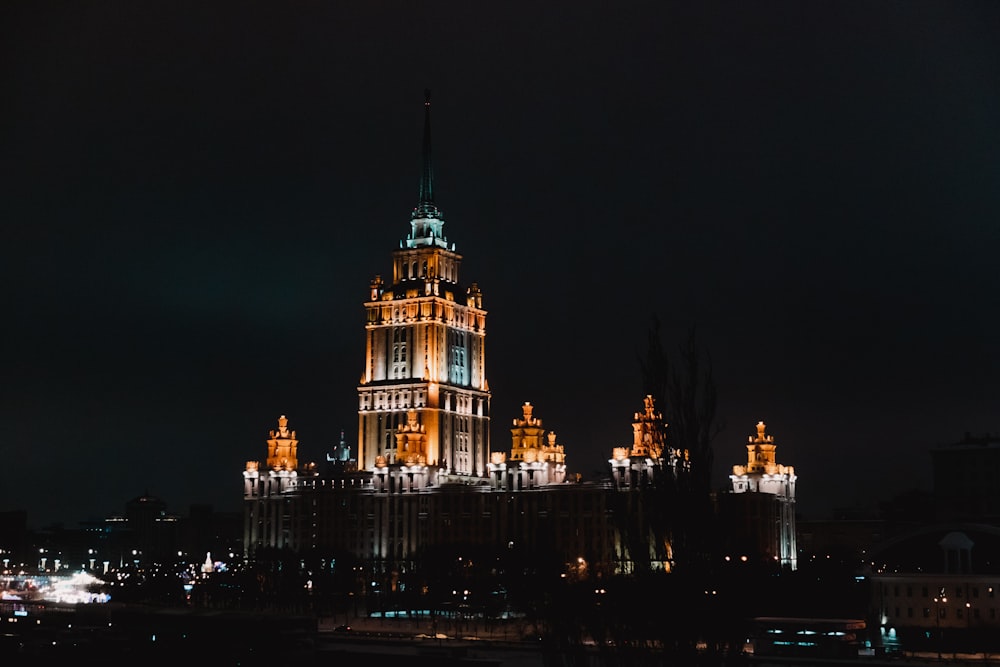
(196, 197)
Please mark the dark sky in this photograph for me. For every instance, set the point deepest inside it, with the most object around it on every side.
(195, 195)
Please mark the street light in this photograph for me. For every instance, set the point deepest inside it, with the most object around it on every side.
(968, 622)
(937, 613)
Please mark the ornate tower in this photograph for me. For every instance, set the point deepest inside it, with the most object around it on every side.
(762, 473)
(535, 457)
(527, 436)
(768, 490)
(648, 430)
(271, 523)
(424, 382)
(649, 454)
(282, 447)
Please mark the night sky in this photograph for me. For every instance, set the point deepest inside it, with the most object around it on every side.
(195, 197)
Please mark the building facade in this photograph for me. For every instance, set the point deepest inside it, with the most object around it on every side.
(392, 514)
(760, 508)
(937, 588)
(423, 399)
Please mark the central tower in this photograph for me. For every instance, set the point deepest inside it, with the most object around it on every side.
(423, 399)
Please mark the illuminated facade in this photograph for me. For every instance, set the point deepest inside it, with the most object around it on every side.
(387, 515)
(761, 503)
(535, 458)
(423, 399)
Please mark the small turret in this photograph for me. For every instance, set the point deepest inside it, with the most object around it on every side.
(282, 447)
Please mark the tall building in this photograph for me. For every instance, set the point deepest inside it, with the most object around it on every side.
(424, 476)
(759, 511)
(423, 399)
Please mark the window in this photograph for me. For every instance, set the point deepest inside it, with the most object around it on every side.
(457, 362)
(399, 368)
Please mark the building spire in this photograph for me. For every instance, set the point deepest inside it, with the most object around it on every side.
(427, 175)
(426, 221)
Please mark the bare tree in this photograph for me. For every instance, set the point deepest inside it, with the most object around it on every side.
(685, 392)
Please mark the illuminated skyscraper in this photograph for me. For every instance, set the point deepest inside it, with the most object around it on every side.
(423, 399)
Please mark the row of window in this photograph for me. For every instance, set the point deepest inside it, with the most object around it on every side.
(385, 401)
(445, 269)
(957, 591)
(961, 613)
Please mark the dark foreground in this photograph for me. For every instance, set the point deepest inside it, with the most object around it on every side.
(114, 635)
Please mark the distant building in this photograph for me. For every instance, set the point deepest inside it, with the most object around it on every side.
(14, 537)
(759, 512)
(967, 479)
(145, 535)
(148, 532)
(849, 534)
(847, 539)
(937, 585)
(938, 588)
(155, 531)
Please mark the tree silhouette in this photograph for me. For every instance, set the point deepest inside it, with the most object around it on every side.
(684, 391)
